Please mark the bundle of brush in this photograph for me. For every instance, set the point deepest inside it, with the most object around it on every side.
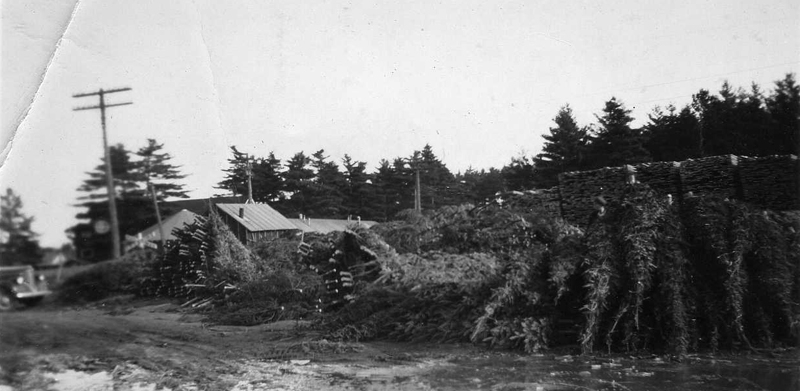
(345, 261)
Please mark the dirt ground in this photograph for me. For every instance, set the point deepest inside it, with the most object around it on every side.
(127, 345)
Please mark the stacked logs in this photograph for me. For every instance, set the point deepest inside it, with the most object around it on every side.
(771, 181)
(547, 201)
(182, 267)
(710, 176)
(580, 190)
(662, 177)
(342, 259)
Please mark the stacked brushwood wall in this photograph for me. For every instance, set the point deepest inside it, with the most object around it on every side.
(769, 182)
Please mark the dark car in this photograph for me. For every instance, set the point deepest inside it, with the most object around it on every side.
(19, 284)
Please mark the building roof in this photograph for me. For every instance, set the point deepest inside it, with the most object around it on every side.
(257, 217)
(178, 220)
(328, 225)
(201, 205)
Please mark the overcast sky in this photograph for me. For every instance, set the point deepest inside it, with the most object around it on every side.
(480, 81)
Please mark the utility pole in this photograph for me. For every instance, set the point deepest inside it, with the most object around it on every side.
(152, 189)
(248, 169)
(417, 194)
(112, 204)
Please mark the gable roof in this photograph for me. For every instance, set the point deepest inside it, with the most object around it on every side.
(257, 217)
(178, 220)
(328, 225)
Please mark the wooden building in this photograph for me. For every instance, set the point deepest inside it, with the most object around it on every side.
(254, 222)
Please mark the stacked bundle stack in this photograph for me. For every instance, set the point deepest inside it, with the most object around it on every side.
(580, 189)
(182, 267)
(663, 177)
(771, 181)
(710, 176)
(343, 259)
(545, 200)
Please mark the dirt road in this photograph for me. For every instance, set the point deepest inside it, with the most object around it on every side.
(153, 346)
(159, 346)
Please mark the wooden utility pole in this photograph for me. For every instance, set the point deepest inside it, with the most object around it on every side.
(158, 216)
(112, 204)
(417, 194)
(249, 171)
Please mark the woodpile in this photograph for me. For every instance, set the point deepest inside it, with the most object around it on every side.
(711, 176)
(662, 177)
(770, 181)
(543, 200)
(581, 189)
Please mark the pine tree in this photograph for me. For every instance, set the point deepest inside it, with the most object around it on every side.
(615, 142)
(267, 182)
(672, 135)
(154, 167)
(266, 178)
(296, 182)
(436, 181)
(236, 178)
(519, 174)
(359, 193)
(18, 243)
(480, 186)
(391, 189)
(134, 211)
(326, 197)
(783, 106)
(563, 150)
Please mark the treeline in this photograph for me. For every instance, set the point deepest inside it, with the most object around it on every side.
(734, 121)
(737, 121)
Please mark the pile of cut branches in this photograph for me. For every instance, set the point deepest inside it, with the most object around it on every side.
(208, 266)
(646, 275)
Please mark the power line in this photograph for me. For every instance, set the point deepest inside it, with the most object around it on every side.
(632, 88)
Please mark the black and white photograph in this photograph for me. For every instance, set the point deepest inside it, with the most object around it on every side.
(502, 195)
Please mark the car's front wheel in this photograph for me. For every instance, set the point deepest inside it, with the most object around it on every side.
(6, 301)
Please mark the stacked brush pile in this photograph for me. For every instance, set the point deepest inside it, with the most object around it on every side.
(710, 176)
(210, 269)
(579, 190)
(771, 181)
(649, 274)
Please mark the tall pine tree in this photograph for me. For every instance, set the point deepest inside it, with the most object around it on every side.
(297, 178)
(266, 179)
(153, 167)
(615, 143)
(325, 197)
(672, 135)
(134, 211)
(564, 150)
(784, 109)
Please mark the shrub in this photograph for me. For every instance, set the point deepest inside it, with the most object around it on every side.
(125, 276)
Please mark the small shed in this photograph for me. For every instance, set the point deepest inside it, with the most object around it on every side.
(328, 225)
(254, 222)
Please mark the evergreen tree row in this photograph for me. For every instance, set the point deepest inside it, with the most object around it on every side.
(735, 121)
